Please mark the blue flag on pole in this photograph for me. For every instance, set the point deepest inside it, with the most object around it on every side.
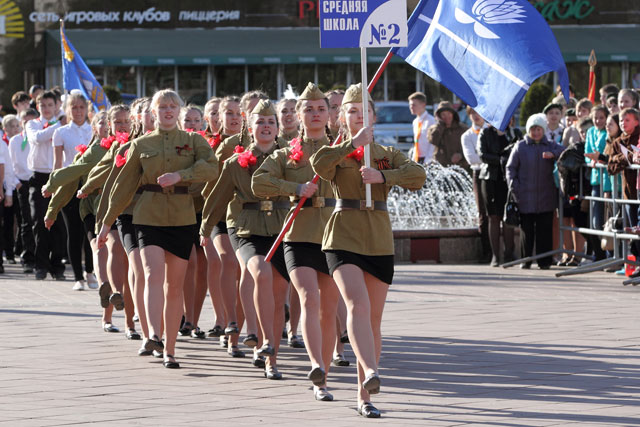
(76, 74)
(487, 52)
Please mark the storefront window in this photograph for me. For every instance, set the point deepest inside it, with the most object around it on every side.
(192, 84)
(264, 78)
(298, 75)
(123, 79)
(229, 80)
(157, 78)
(401, 82)
(634, 75)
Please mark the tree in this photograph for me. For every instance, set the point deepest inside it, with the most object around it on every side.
(534, 101)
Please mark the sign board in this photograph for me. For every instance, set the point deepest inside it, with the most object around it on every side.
(363, 23)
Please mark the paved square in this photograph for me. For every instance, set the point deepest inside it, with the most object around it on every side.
(463, 345)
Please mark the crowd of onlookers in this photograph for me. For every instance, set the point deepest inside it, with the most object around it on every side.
(526, 171)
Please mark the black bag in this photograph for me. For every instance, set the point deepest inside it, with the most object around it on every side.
(511, 212)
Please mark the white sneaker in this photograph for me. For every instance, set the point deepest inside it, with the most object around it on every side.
(92, 282)
(79, 285)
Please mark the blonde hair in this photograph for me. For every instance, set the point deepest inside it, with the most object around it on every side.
(165, 94)
(185, 110)
(6, 120)
(115, 109)
(248, 97)
(210, 103)
(75, 97)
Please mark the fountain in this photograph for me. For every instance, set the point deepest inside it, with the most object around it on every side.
(438, 222)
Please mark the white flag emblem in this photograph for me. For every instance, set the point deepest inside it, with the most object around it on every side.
(491, 12)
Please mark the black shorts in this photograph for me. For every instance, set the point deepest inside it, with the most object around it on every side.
(380, 266)
(219, 228)
(260, 245)
(305, 254)
(127, 233)
(233, 238)
(177, 240)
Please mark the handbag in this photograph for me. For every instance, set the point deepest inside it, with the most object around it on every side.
(511, 212)
(613, 224)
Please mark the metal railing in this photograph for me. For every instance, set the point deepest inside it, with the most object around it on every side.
(621, 240)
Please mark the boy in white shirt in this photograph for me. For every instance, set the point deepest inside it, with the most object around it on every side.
(423, 150)
(49, 243)
(11, 126)
(19, 150)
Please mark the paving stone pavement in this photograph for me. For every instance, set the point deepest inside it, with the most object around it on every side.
(463, 345)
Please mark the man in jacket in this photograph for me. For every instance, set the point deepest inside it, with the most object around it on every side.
(446, 136)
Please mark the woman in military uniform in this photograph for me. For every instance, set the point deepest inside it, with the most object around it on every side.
(288, 173)
(358, 241)
(288, 119)
(256, 223)
(161, 165)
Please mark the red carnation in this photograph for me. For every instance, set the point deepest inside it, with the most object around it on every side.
(215, 140)
(121, 160)
(81, 148)
(358, 154)
(107, 142)
(296, 150)
(247, 159)
(122, 137)
(238, 149)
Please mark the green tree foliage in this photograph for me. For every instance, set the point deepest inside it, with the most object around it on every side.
(534, 101)
(113, 94)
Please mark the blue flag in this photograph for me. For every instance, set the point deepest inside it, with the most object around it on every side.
(487, 52)
(76, 75)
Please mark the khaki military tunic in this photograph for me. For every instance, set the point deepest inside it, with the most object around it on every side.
(100, 172)
(288, 136)
(281, 176)
(151, 156)
(63, 183)
(365, 232)
(235, 184)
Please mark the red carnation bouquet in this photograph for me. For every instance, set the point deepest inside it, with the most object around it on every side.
(122, 137)
(81, 148)
(120, 159)
(296, 153)
(107, 142)
(247, 159)
(358, 154)
(215, 140)
(239, 149)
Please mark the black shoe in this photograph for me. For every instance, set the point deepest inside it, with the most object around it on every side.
(59, 277)
(117, 301)
(272, 373)
(495, 262)
(132, 334)
(545, 266)
(525, 266)
(258, 362)
(266, 350)
(1, 268)
(41, 274)
(144, 352)
(105, 292)
(169, 364)
(186, 329)
(154, 343)
(234, 351)
(27, 268)
(367, 410)
(295, 342)
(316, 376)
(344, 338)
(339, 360)
(108, 327)
(197, 333)
(216, 331)
(64, 261)
(232, 329)
(224, 343)
(372, 384)
(287, 315)
(250, 340)
(322, 395)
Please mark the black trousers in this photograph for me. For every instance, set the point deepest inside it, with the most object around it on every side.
(49, 243)
(77, 239)
(537, 229)
(483, 220)
(25, 238)
(7, 230)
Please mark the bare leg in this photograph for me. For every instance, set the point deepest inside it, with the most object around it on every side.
(100, 258)
(153, 264)
(264, 297)
(228, 270)
(201, 285)
(294, 311)
(189, 287)
(280, 286)
(175, 270)
(213, 282)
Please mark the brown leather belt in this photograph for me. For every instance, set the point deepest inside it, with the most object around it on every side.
(171, 189)
(266, 205)
(318, 202)
(353, 204)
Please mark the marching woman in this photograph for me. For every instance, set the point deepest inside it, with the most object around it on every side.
(288, 119)
(161, 164)
(357, 240)
(288, 173)
(63, 183)
(256, 225)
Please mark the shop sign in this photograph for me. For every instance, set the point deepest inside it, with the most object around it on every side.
(560, 10)
(139, 17)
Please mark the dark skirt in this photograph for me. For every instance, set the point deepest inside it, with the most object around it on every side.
(380, 267)
(260, 245)
(127, 233)
(233, 238)
(495, 196)
(219, 228)
(305, 254)
(177, 240)
(89, 223)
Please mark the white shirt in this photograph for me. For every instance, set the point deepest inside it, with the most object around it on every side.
(556, 135)
(19, 157)
(69, 137)
(40, 157)
(426, 149)
(9, 177)
(469, 140)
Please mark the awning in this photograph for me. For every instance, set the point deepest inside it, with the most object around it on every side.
(238, 46)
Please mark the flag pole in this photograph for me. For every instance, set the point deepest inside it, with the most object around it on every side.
(365, 113)
(591, 94)
(316, 177)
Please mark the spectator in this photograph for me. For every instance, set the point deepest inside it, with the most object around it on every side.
(423, 150)
(445, 136)
(491, 146)
(19, 151)
(596, 142)
(571, 133)
(34, 92)
(606, 91)
(20, 101)
(470, 151)
(512, 133)
(530, 179)
(612, 104)
(554, 127)
(11, 126)
(627, 98)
